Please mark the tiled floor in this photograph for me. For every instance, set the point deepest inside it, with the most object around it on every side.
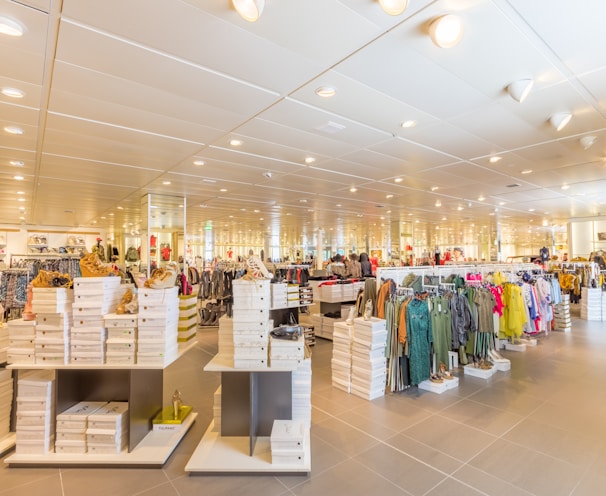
(537, 429)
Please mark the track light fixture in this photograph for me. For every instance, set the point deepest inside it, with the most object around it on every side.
(587, 142)
(249, 10)
(393, 7)
(519, 90)
(559, 120)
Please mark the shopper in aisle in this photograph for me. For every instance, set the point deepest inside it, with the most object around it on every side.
(365, 265)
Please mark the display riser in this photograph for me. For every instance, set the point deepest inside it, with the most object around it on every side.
(439, 387)
(478, 372)
(152, 452)
(502, 365)
(230, 454)
(515, 347)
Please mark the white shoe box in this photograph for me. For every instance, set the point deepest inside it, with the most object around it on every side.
(51, 307)
(285, 363)
(157, 296)
(122, 321)
(53, 294)
(287, 435)
(95, 283)
(125, 333)
(153, 346)
(169, 321)
(250, 352)
(120, 345)
(59, 320)
(257, 287)
(250, 363)
(259, 338)
(287, 349)
(158, 359)
(91, 322)
(108, 416)
(70, 450)
(31, 447)
(120, 358)
(169, 307)
(52, 359)
(24, 344)
(153, 333)
(373, 324)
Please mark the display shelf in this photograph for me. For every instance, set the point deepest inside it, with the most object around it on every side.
(153, 451)
(7, 442)
(100, 366)
(219, 454)
(225, 363)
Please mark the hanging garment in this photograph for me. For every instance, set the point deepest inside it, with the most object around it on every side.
(420, 339)
(441, 326)
(462, 322)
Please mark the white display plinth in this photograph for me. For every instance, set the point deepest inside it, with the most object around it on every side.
(153, 450)
(223, 454)
(8, 442)
(515, 347)
(502, 365)
(439, 387)
(478, 372)
(528, 341)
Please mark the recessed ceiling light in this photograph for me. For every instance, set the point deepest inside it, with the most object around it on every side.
(481, 198)
(18, 178)
(10, 27)
(20, 192)
(17, 163)
(256, 210)
(326, 91)
(353, 190)
(21, 199)
(13, 130)
(120, 208)
(495, 159)
(223, 190)
(302, 200)
(408, 124)
(388, 196)
(565, 186)
(459, 208)
(12, 92)
(398, 180)
(446, 31)
(165, 183)
(235, 142)
(443, 218)
(309, 160)
(338, 205)
(199, 162)
(438, 203)
(531, 209)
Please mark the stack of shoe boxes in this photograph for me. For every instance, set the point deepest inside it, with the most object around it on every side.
(70, 437)
(286, 353)
(226, 337)
(306, 296)
(4, 342)
(292, 295)
(21, 337)
(368, 363)
(342, 341)
(121, 344)
(188, 320)
(107, 431)
(561, 314)
(287, 442)
(591, 303)
(94, 297)
(301, 393)
(6, 400)
(217, 410)
(251, 323)
(157, 326)
(35, 413)
(279, 295)
(53, 309)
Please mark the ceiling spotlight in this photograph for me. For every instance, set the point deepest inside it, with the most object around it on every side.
(326, 91)
(587, 142)
(13, 130)
(267, 175)
(17, 163)
(408, 124)
(10, 27)
(446, 31)
(309, 160)
(560, 119)
(353, 189)
(519, 90)
(393, 7)
(199, 162)
(249, 10)
(235, 142)
(438, 203)
(12, 92)
(398, 180)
